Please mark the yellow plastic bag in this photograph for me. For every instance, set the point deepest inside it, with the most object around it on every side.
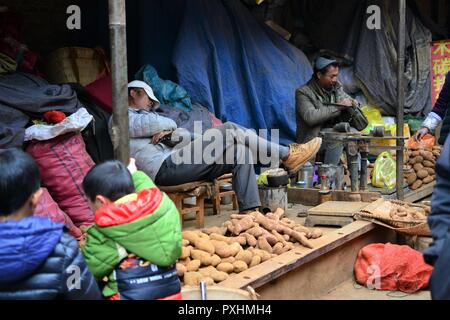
(384, 172)
(374, 117)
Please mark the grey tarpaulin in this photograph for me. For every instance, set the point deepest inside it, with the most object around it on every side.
(340, 27)
(23, 96)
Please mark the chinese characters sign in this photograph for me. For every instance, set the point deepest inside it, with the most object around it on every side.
(440, 60)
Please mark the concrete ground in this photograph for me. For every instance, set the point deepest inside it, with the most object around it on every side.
(348, 290)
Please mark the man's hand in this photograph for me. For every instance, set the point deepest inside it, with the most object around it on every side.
(346, 102)
(157, 137)
(132, 166)
(421, 133)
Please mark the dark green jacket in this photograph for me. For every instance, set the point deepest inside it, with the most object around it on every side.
(313, 114)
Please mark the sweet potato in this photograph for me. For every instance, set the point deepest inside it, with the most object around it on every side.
(411, 178)
(263, 254)
(251, 240)
(416, 185)
(418, 167)
(316, 233)
(255, 231)
(217, 230)
(225, 267)
(205, 245)
(431, 171)
(428, 179)
(242, 225)
(299, 237)
(427, 155)
(217, 276)
(192, 278)
(191, 236)
(222, 249)
(185, 252)
(415, 153)
(271, 239)
(204, 257)
(194, 265)
(215, 260)
(421, 174)
(264, 245)
(279, 237)
(255, 261)
(245, 256)
(228, 260)
(201, 234)
(277, 248)
(428, 164)
(240, 266)
(181, 269)
(417, 159)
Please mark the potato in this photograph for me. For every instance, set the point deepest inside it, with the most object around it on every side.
(191, 236)
(418, 167)
(428, 164)
(194, 265)
(316, 233)
(421, 174)
(229, 260)
(225, 267)
(255, 261)
(277, 248)
(208, 280)
(263, 254)
(185, 252)
(204, 245)
(217, 276)
(240, 266)
(411, 178)
(416, 185)
(192, 278)
(427, 155)
(436, 153)
(204, 257)
(428, 179)
(216, 230)
(264, 245)
(415, 153)
(431, 171)
(245, 256)
(251, 240)
(181, 269)
(215, 260)
(417, 159)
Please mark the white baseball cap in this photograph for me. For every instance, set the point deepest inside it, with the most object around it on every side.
(147, 89)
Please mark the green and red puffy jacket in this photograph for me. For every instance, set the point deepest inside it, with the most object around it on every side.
(146, 223)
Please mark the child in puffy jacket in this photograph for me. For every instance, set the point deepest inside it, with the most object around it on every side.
(38, 258)
(136, 239)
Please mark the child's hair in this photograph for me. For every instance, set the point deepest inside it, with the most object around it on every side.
(110, 179)
(19, 179)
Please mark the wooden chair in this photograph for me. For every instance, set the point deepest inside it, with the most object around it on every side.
(189, 190)
(219, 193)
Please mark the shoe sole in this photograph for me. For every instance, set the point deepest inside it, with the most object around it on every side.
(298, 167)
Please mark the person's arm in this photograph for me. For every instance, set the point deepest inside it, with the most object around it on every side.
(439, 219)
(147, 124)
(142, 181)
(312, 116)
(441, 105)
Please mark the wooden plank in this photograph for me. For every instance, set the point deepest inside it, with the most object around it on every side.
(276, 267)
(310, 197)
(338, 208)
(421, 193)
(318, 277)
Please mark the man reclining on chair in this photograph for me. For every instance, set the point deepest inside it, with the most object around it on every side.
(236, 150)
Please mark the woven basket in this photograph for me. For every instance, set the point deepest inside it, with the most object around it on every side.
(412, 227)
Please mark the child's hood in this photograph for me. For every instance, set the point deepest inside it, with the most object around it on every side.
(25, 245)
(129, 208)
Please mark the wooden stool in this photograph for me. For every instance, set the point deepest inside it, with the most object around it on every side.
(218, 193)
(189, 190)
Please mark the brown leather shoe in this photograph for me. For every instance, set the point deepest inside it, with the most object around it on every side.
(299, 154)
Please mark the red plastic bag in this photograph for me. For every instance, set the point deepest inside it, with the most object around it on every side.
(392, 268)
(427, 142)
(48, 208)
(63, 163)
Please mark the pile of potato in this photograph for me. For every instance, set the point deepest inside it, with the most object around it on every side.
(420, 168)
(244, 241)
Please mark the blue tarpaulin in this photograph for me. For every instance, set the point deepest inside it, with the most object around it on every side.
(239, 68)
(229, 62)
